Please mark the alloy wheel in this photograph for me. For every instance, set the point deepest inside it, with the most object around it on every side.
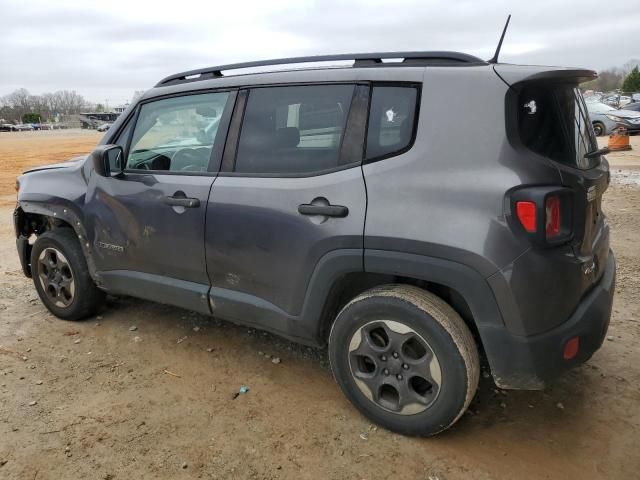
(56, 277)
(394, 367)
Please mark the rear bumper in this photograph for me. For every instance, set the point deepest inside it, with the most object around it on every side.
(519, 362)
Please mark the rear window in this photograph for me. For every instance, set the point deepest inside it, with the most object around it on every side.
(553, 122)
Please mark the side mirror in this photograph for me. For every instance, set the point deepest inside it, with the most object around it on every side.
(108, 160)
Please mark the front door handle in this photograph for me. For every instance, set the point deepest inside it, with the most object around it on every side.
(339, 211)
(182, 202)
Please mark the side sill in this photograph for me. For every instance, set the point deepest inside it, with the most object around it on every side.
(157, 288)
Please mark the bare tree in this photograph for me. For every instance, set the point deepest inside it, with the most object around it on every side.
(47, 105)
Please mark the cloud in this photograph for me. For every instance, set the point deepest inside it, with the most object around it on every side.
(106, 50)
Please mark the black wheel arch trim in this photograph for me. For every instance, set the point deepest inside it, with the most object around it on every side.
(467, 281)
(56, 208)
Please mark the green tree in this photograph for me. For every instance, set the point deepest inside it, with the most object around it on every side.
(31, 118)
(632, 81)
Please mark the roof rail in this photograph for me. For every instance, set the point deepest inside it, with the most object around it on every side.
(360, 59)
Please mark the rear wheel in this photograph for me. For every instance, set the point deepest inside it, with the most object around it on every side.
(405, 359)
(598, 129)
(61, 277)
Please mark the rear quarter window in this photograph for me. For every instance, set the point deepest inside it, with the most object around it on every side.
(392, 118)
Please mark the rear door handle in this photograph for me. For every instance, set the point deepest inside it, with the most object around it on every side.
(326, 210)
(182, 202)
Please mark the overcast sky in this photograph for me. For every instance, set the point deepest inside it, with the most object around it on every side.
(107, 49)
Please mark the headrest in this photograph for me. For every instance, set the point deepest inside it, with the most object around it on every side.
(287, 137)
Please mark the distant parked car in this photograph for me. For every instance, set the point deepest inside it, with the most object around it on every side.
(623, 101)
(104, 127)
(635, 106)
(605, 118)
(21, 127)
(7, 127)
(615, 100)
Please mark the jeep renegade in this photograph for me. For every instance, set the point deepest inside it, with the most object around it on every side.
(353, 207)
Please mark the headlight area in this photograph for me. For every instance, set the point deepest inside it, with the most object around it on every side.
(616, 118)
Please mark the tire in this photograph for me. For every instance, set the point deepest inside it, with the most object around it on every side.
(435, 368)
(61, 277)
(599, 129)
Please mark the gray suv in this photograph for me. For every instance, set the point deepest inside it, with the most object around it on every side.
(348, 207)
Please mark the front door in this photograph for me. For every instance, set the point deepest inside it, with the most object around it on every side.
(292, 192)
(147, 226)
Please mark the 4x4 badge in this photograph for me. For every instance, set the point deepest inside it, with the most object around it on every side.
(592, 192)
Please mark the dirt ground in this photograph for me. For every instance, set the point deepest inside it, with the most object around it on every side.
(100, 399)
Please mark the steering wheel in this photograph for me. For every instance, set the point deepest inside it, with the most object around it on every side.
(187, 159)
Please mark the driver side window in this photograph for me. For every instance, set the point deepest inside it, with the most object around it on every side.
(176, 134)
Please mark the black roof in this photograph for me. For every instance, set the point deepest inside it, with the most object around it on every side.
(360, 60)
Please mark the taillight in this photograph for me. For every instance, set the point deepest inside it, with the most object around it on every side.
(552, 216)
(544, 214)
(526, 212)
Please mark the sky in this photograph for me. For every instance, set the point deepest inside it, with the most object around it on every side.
(106, 50)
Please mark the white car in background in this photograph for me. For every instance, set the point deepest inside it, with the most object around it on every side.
(605, 118)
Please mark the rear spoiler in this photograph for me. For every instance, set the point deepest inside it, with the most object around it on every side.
(514, 74)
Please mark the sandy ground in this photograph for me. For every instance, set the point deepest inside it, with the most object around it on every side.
(160, 401)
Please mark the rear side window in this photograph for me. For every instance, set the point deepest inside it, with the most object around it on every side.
(391, 120)
(293, 130)
(553, 122)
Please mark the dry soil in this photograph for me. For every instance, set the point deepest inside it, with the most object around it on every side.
(100, 399)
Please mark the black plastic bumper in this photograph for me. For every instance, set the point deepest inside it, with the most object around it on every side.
(24, 252)
(528, 362)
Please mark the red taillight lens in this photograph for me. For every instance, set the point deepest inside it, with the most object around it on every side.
(552, 216)
(526, 212)
(571, 348)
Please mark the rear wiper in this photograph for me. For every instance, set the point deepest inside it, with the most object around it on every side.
(597, 153)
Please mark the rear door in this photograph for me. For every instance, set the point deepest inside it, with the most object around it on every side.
(290, 191)
(148, 224)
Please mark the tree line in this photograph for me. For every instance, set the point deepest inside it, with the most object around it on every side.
(625, 78)
(20, 104)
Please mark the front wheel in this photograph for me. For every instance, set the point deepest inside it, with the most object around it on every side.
(598, 129)
(405, 359)
(61, 277)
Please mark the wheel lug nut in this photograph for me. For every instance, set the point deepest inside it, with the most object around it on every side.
(405, 366)
(383, 358)
(395, 354)
(399, 377)
(386, 372)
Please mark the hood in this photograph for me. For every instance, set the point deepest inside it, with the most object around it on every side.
(73, 162)
(625, 113)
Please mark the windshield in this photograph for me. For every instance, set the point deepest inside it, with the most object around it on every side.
(553, 122)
